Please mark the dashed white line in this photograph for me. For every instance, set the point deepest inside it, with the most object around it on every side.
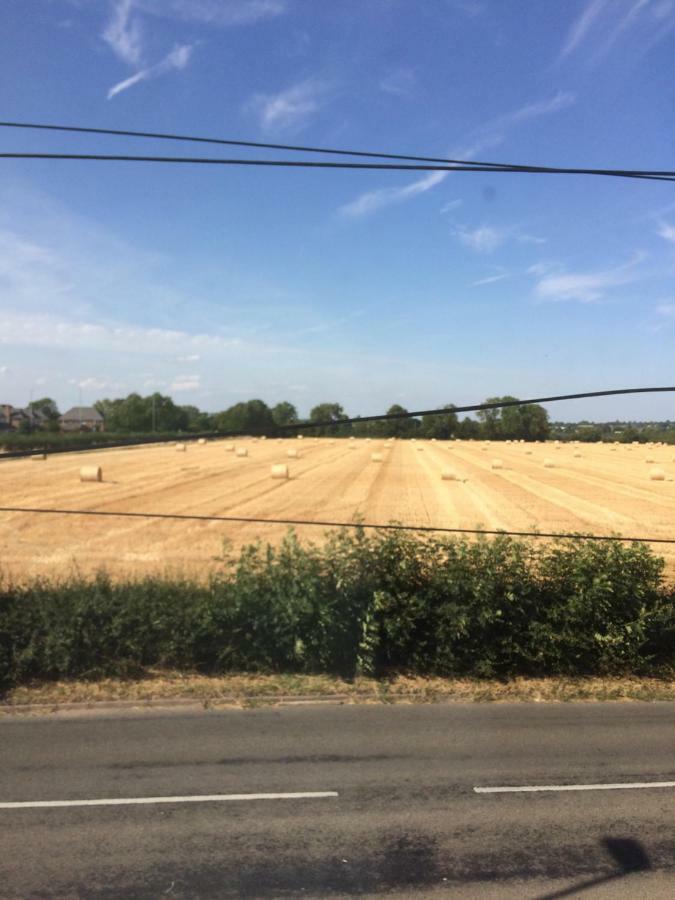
(621, 786)
(197, 798)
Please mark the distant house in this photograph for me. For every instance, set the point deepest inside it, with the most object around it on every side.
(82, 418)
(14, 417)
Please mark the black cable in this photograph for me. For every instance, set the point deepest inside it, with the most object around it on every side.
(313, 164)
(380, 417)
(383, 417)
(391, 526)
(303, 149)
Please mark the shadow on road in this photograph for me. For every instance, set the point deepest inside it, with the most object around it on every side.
(628, 853)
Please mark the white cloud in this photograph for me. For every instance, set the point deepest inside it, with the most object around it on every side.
(190, 358)
(586, 287)
(49, 331)
(123, 34)
(222, 13)
(667, 310)
(97, 384)
(186, 383)
(451, 206)
(483, 138)
(581, 26)
(177, 60)
(487, 238)
(491, 279)
(291, 107)
(561, 100)
(371, 201)
(644, 22)
(484, 239)
(667, 232)
(4, 370)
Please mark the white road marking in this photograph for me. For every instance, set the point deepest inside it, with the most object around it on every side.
(527, 789)
(197, 798)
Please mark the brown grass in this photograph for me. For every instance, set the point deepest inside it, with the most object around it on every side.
(247, 690)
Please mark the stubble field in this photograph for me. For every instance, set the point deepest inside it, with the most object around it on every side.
(607, 489)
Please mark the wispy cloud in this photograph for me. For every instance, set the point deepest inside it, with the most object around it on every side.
(48, 331)
(186, 383)
(587, 287)
(291, 107)
(450, 206)
(491, 279)
(602, 24)
(176, 60)
(370, 201)
(190, 358)
(487, 238)
(667, 232)
(489, 135)
(667, 310)
(123, 33)
(221, 13)
(581, 26)
(400, 82)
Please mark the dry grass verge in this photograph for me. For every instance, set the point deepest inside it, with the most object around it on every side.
(248, 690)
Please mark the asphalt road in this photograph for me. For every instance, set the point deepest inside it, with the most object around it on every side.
(406, 819)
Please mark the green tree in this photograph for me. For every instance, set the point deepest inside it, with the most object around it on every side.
(249, 417)
(529, 422)
(285, 413)
(328, 412)
(442, 427)
(49, 409)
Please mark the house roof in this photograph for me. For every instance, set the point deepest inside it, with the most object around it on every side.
(85, 413)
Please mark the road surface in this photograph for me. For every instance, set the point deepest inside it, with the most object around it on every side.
(389, 802)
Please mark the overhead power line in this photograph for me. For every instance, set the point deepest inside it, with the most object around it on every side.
(445, 161)
(390, 526)
(477, 407)
(314, 164)
(352, 420)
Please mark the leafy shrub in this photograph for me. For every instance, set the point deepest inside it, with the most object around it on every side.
(359, 603)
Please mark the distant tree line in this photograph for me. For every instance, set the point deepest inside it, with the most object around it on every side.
(158, 413)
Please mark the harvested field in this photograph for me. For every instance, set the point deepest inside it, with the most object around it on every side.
(606, 490)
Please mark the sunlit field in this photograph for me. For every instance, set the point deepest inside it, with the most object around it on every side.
(598, 488)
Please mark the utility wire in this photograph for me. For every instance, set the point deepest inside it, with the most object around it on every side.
(299, 148)
(381, 417)
(391, 526)
(314, 164)
(476, 407)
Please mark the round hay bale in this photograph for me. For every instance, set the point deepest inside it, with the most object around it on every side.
(528, 453)
(91, 473)
(496, 464)
(264, 437)
(229, 448)
(292, 453)
(279, 471)
(419, 449)
(376, 457)
(352, 446)
(649, 459)
(301, 437)
(201, 441)
(657, 475)
(39, 456)
(352, 438)
(241, 451)
(181, 448)
(577, 455)
(549, 464)
(449, 475)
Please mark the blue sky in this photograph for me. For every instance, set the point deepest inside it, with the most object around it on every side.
(366, 288)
